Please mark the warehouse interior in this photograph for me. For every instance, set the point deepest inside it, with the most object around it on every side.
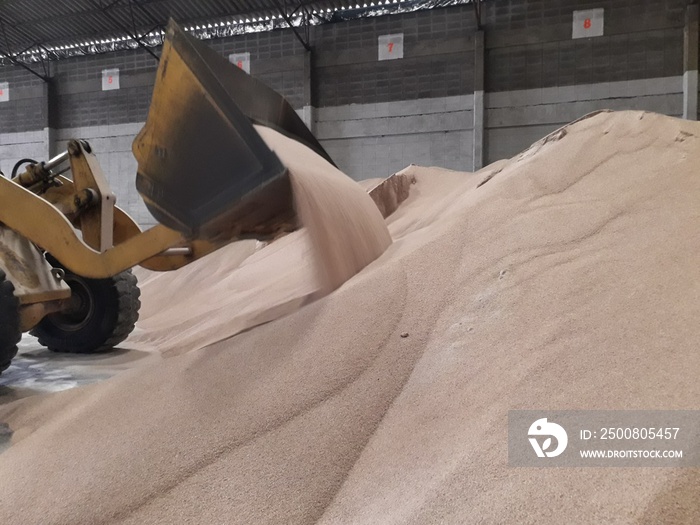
(460, 98)
(477, 216)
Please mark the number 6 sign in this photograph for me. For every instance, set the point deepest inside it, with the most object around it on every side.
(390, 46)
(588, 23)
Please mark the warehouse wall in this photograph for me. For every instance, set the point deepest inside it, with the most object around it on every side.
(375, 117)
(375, 140)
(539, 78)
(516, 119)
(109, 120)
(24, 120)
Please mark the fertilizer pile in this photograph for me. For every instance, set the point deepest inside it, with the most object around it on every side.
(208, 301)
(564, 278)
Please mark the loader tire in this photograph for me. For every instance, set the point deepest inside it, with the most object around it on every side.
(10, 333)
(104, 312)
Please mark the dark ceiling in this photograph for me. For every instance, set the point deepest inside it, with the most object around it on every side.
(27, 23)
(39, 30)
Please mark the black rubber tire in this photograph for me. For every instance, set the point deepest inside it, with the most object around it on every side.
(10, 333)
(106, 313)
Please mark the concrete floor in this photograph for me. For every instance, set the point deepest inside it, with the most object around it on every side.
(37, 370)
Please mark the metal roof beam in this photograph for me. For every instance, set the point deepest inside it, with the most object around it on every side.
(149, 15)
(283, 12)
(16, 62)
(131, 35)
(13, 58)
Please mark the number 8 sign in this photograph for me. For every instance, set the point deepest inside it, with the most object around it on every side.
(588, 23)
(390, 46)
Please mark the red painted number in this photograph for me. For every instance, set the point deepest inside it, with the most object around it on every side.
(240, 64)
(391, 47)
(109, 80)
(2, 92)
(587, 23)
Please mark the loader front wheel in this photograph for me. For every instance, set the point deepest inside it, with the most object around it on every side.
(102, 313)
(10, 333)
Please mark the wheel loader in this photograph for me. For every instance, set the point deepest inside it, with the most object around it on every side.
(205, 174)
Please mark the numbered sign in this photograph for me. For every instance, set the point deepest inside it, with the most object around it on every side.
(110, 79)
(588, 23)
(4, 91)
(241, 60)
(391, 46)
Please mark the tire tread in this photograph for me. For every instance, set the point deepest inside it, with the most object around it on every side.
(125, 285)
(10, 333)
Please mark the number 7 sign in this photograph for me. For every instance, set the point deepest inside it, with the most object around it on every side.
(390, 46)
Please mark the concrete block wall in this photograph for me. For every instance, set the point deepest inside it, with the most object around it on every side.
(24, 120)
(529, 44)
(276, 58)
(112, 145)
(375, 140)
(516, 119)
(376, 117)
(15, 146)
(77, 97)
(27, 109)
(538, 78)
(438, 58)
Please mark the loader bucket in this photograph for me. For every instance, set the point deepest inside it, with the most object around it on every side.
(202, 168)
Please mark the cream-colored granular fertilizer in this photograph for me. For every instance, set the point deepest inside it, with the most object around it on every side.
(568, 280)
(346, 228)
(208, 301)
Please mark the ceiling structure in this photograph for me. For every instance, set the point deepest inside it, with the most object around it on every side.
(33, 32)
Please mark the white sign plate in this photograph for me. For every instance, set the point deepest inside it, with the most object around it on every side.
(4, 91)
(588, 23)
(241, 60)
(391, 46)
(110, 79)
